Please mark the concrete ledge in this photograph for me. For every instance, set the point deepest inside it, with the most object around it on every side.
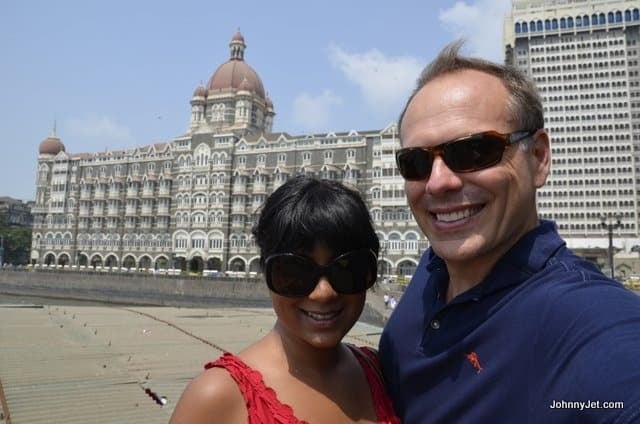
(133, 289)
(150, 290)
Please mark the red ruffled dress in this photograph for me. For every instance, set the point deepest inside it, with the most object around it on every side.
(262, 402)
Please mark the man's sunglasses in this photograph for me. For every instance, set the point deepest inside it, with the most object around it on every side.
(466, 154)
(293, 275)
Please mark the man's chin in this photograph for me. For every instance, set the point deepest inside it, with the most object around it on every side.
(457, 250)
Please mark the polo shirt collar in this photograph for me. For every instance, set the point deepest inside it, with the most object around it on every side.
(528, 256)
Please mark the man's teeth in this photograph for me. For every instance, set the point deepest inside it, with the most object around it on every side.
(457, 215)
(322, 316)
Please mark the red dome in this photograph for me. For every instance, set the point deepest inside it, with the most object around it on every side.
(230, 75)
(200, 91)
(238, 37)
(51, 146)
(245, 85)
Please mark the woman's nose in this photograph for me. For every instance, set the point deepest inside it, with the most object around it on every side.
(323, 289)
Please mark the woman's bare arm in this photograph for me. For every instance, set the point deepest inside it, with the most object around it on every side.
(211, 397)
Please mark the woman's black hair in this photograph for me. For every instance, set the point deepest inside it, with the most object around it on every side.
(305, 211)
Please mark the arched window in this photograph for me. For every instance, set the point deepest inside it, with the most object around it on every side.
(395, 242)
(525, 27)
(570, 22)
(411, 242)
(554, 24)
(618, 16)
(547, 24)
(406, 268)
(518, 29)
(610, 17)
(563, 23)
(585, 20)
(539, 26)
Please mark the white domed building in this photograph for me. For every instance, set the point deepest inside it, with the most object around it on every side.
(190, 203)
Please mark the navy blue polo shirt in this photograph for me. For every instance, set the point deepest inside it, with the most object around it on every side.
(545, 337)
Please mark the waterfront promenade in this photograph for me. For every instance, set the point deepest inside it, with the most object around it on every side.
(118, 364)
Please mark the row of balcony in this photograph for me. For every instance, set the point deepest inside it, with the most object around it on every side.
(130, 193)
(123, 247)
(128, 226)
(214, 185)
(129, 211)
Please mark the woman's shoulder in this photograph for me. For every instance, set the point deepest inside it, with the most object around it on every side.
(213, 396)
(368, 352)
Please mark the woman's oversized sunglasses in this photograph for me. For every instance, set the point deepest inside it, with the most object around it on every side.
(466, 154)
(293, 275)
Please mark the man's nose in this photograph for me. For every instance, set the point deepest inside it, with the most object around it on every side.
(442, 178)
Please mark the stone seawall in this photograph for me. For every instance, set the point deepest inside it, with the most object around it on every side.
(138, 289)
(145, 289)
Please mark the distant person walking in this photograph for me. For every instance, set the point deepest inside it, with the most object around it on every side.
(392, 302)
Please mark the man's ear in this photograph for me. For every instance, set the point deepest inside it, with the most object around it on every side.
(541, 157)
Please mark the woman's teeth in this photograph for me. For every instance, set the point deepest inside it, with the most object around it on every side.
(325, 316)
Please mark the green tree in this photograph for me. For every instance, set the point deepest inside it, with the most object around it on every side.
(16, 242)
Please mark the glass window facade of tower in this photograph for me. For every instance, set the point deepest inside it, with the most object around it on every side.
(583, 56)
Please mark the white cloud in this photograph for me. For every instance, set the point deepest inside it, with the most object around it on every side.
(100, 129)
(313, 113)
(385, 82)
(480, 23)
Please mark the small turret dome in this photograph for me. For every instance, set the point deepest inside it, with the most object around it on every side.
(51, 145)
(238, 37)
(200, 91)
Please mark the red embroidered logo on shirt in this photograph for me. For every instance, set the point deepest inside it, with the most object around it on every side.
(472, 357)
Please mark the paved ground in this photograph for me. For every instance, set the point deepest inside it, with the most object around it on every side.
(104, 364)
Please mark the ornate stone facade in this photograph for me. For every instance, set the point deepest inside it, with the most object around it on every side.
(190, 203)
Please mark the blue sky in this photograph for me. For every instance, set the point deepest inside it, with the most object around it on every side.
(119, 74)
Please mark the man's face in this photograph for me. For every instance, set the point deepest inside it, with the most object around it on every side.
(472, 218)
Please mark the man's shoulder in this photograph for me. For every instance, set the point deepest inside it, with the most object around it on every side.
(586, 331)
(573, 299)
(570, 280)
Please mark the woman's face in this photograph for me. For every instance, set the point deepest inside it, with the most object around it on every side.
(322, 318)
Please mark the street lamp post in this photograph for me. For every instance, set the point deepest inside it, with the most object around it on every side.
(610, 226)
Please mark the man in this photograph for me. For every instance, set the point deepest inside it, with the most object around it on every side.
(501, 322)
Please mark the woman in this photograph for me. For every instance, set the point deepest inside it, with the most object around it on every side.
(318, 251)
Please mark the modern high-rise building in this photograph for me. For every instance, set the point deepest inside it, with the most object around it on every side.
(191, 202)
(584, 57)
